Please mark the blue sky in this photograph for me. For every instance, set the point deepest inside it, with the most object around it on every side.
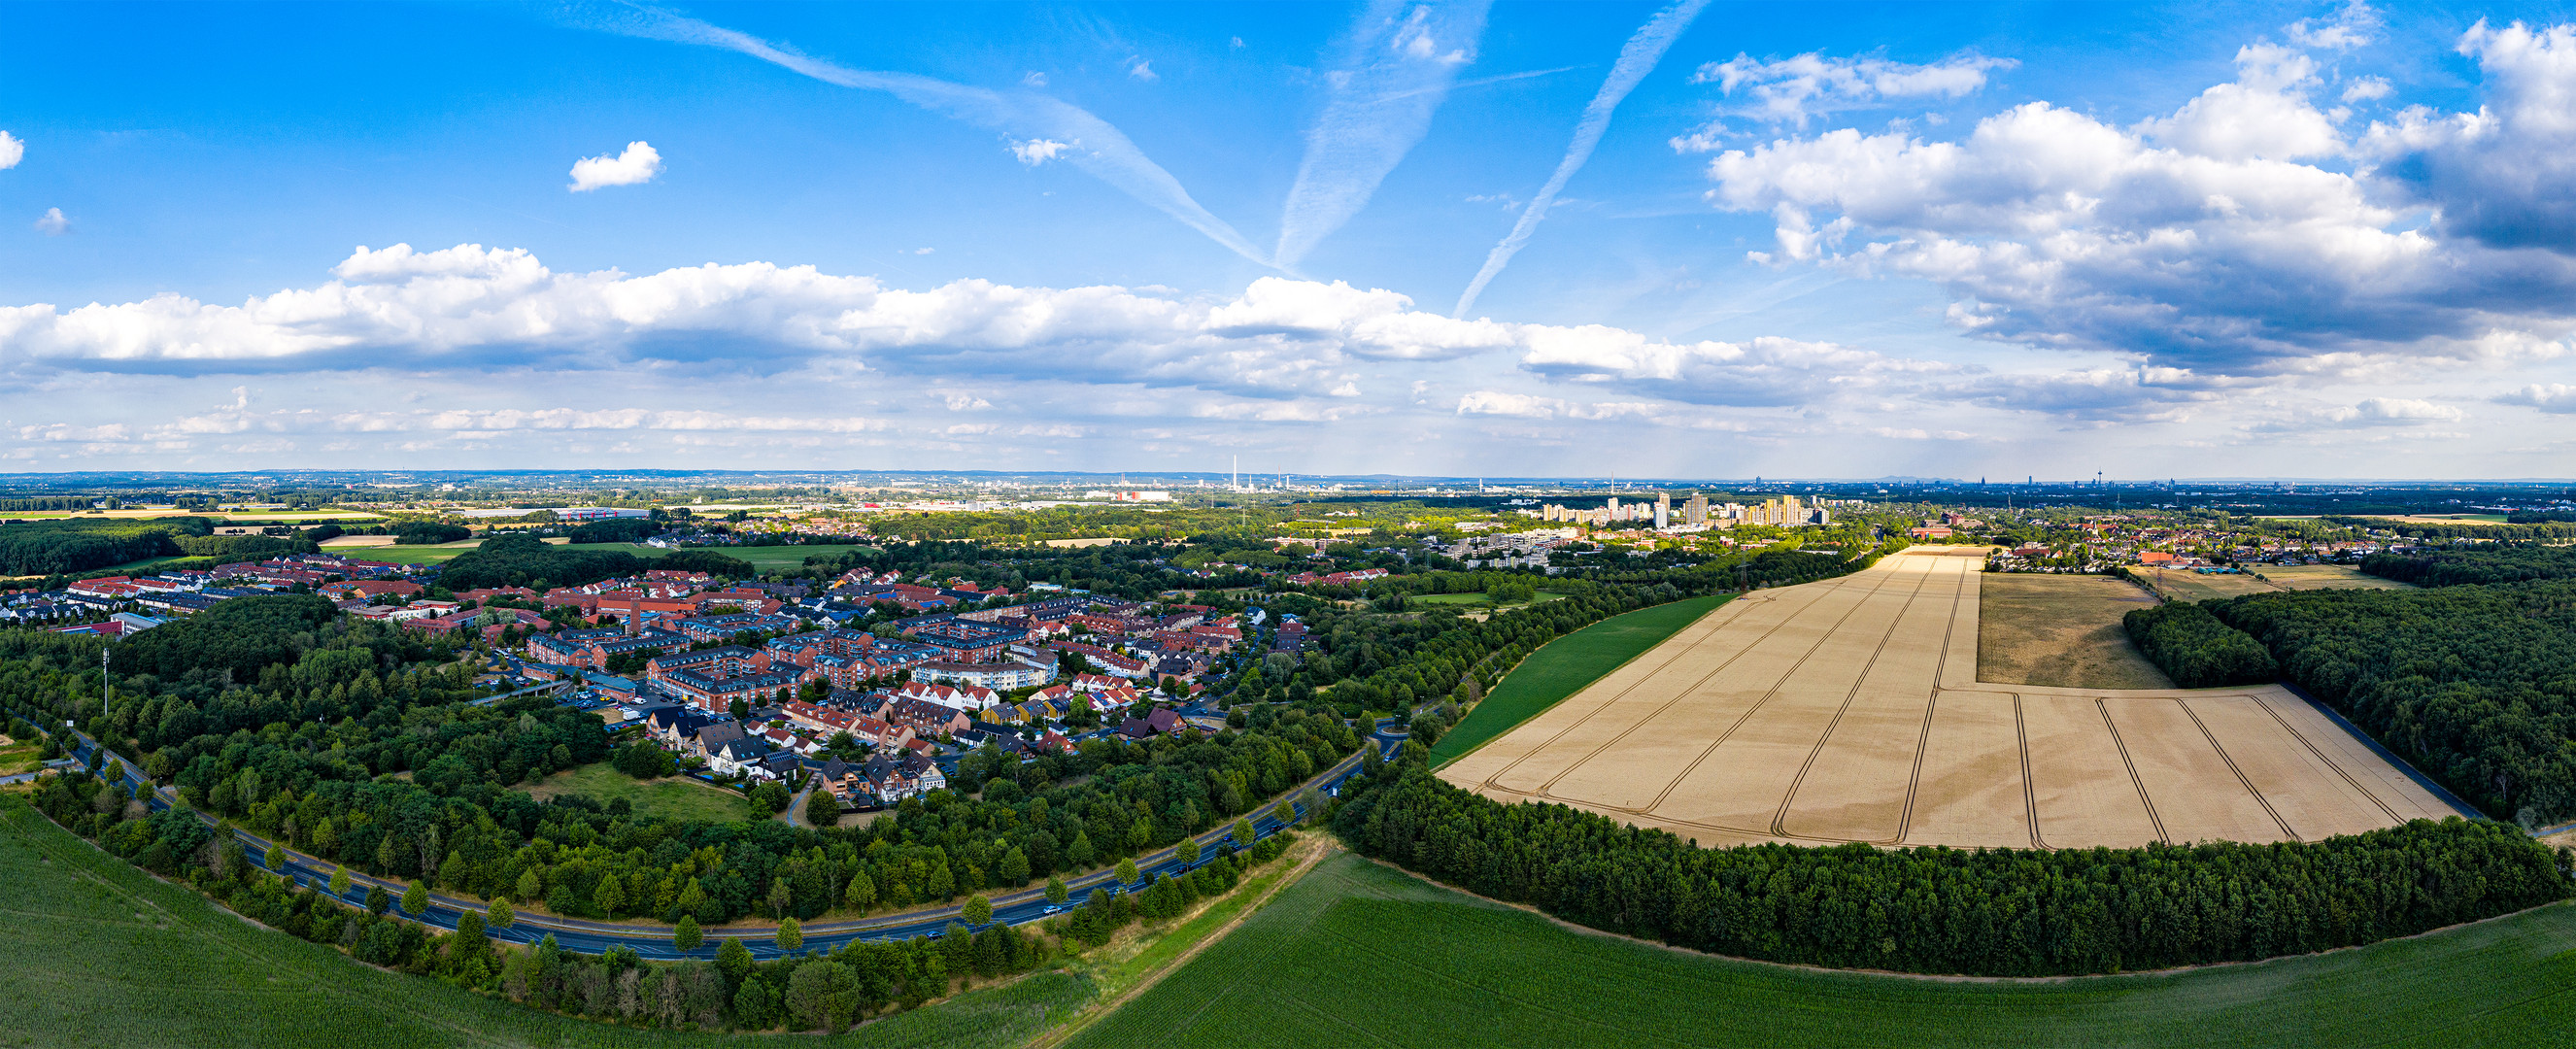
(1812, 240)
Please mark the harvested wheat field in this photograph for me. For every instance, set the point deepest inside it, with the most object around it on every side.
(1849, 711)
(2322, 577)
(2040, 629)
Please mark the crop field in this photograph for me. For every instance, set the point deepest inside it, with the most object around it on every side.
(2036, 629)
(1359, 954)
(102, 954)
(416, 555)
(2182, 584)
(678, 797)
(1564, 665)
(1848, 710)
(2321, 577)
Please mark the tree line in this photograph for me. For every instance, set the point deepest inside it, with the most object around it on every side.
(1939, 910)
(816, 990)
(2486, 564)
(2474, 684)
(2195, 649)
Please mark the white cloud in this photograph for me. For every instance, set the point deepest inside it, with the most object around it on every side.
(2506, 174)
(2554, 398)
(52, 223)
(923, 251)
(1796, 90)
(1033, 78)
(12, 150)
(1527, 406)
(2367, 89)
(1141, 69)
(1393, 71)
(1644, 50)
(1108, 154)
(634, 167)
(2221, 238)
(2357, 25)
(1038, 151)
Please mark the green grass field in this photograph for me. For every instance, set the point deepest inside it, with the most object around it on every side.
(1358, 954)
(21, 756)
(1562, 667)
(1544, 596)
(101, 954)
(677, 797)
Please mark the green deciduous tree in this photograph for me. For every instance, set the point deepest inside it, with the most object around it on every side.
(686, 936)
(503, 915)
(415, 900)
(791, 936)
(977, 910)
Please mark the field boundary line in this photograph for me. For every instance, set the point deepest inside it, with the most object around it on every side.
(2440, 793)
(1730, 601)
(2266, 707)
(1780, 816)
(2223, 755)
(2029, 790)
(1324, 846)
(1931, 703)
(1740, 719)
(2134, 780)
(1490, 781)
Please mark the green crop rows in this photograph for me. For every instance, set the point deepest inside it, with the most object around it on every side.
(1562, 667)
(101, 954)
(1358, 954)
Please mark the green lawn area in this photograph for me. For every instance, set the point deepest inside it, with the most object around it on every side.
(21, 757)
(404, 555)
(102, 954)
(1544, 596)
(1358, 954)
(1562, 667)
(677, 796)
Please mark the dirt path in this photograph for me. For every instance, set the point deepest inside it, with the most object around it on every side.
(1311, 851)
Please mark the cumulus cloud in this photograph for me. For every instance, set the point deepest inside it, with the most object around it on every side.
(52, 223)
(1141, 69)
(1766, 371)
(2554, 398)
(2504, 175)
(634, 167)
(1796, 90)
(2374, 413)
(12, 150)
(2367, 89)
(2357, 25)
(1038, 151)
(476, 307)
(2224, 238)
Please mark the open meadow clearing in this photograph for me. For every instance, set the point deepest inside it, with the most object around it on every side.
(677, 797)
(1849, 710)
(103, 954)
(2044, 629)
(2183, 584)
(1361, 954)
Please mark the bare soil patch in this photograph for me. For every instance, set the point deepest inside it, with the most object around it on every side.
(2061, 630)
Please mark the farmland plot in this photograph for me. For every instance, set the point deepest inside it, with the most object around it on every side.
(1850, 710)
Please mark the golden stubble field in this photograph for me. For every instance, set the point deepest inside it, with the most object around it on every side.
(1850, 710)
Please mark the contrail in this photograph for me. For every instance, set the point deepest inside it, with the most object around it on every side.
(1398, 65)
(1100, 148)
(1636, 60)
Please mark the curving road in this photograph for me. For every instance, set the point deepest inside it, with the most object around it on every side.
(654, 941)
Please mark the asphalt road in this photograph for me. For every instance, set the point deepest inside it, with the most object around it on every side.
(654, 941)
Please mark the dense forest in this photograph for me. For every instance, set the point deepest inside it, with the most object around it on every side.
(1938, 910)
(52, 547)
(2195, 649)
(2476, 685)
(523, 560)
(2487, 564)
